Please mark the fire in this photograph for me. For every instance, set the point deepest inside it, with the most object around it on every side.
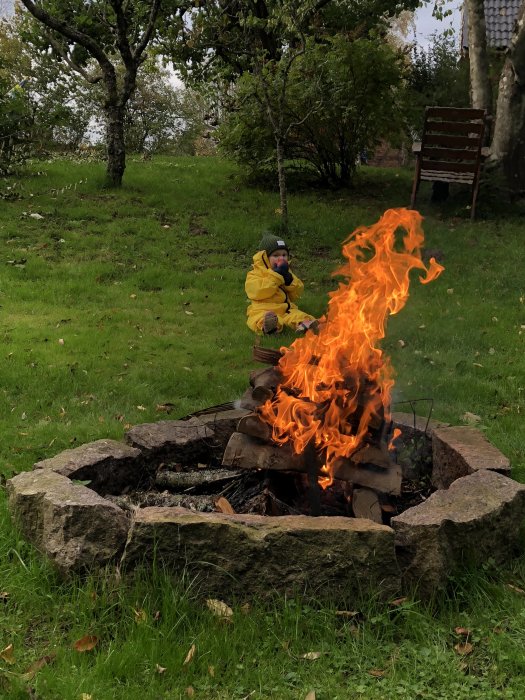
(337, 384)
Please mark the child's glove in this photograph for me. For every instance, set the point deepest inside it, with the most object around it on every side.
(283, 270)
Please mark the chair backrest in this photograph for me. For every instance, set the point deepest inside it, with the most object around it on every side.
(451, 144)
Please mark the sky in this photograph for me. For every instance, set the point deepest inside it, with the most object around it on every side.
(426, 25)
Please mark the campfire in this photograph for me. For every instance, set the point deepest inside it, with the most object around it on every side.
(324, 408)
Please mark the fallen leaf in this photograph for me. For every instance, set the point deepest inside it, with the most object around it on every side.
(312, 655)
(311, 695)
(223, 506)
(219, 608)
(463, 631)
(36, 666)
(4, 596)
(376, 672)
(86, 643)
(463, 648)
(398, 601)
(516, 589)
(86, 696)
(190, 692)
(160, 669)
(348, 614)
(132, 296)
(140, 615)
(164, 407)
(61, 341)
(141, 408)
(477, 364)
(36, 216)
(469, 417)
(450, 291)
(246, 608)
(7, 654)
(190, 655)
(188, 313)
(401, 343)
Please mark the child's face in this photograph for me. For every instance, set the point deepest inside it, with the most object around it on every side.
(278, 257)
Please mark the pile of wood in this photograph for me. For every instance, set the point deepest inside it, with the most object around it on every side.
(368, 475)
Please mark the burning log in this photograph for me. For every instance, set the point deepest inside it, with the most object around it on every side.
(365, 504)
(254, 426)
(377, 478)
(246, 452)
(269, 378)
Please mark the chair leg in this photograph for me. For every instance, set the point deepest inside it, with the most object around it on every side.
(475, 189)
(415, 186)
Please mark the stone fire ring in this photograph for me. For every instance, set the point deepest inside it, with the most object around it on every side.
(475, 515)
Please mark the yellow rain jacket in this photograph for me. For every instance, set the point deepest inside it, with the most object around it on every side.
(267, 291)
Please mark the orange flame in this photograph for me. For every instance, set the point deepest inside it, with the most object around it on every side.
(337, 383)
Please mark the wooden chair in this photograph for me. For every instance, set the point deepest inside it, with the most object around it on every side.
(451, 149)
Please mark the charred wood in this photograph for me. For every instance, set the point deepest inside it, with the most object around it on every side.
(194, 479)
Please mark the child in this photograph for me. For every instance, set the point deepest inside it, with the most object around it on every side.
(273, 288)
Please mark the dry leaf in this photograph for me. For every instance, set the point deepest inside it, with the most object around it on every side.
(140, 616)
(61, 341)
(188, 313)
(86, 643)
(463, 631)
(164, 407)
(223, 506)
(398, 601)
(347, 614)
(311, 695)
(463, 648)
(7, 654)
(469, 417)
(190, 655)
(219, 608)
(4, 595)
(401, 343)
(211, 671)
(86, 696)
(160, 669)
(376, 672)
(312, 655)
(516, 589)
(36, 666)
(141, 408)
(190, 691)
(246, 608)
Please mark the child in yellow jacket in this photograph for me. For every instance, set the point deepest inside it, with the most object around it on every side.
(273, 288)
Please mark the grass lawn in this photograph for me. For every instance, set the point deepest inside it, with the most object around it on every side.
(114, 303)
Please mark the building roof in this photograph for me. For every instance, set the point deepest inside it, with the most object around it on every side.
(500, 16)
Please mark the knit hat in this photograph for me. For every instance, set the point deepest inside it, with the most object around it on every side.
(271, 243)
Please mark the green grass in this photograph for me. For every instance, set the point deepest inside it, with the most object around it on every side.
(145, 288)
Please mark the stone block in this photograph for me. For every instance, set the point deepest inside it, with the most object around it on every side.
(75, 527)
(250, 556)
(108, 465)
(476, 519)
(175, 440)
(460, 450)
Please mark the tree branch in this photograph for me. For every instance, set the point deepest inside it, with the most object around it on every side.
(93, 79)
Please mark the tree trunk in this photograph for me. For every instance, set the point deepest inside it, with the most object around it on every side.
(508, 143)
(481, 89)
(281, 175)
(115, 145)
